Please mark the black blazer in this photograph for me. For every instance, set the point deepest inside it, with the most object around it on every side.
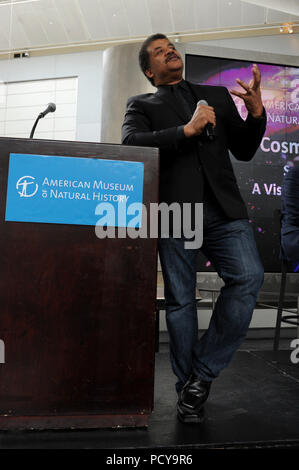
(152, 120)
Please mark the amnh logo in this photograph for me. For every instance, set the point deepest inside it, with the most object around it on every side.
(2, 352)
(26, 186)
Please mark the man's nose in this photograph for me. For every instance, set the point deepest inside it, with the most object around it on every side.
(169, 52)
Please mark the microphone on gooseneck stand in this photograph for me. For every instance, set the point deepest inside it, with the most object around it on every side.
(50, 109)
(209, 129)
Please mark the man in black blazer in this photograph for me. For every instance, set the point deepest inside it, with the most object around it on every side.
(195, 167)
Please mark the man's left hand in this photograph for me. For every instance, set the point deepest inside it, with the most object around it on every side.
(252, 98)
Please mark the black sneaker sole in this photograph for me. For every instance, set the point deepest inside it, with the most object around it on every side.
(190, 418)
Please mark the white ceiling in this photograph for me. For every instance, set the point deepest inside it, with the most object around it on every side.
(287, 6)
(29, 24)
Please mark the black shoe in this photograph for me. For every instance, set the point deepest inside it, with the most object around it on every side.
(192, 398)
(189, 416)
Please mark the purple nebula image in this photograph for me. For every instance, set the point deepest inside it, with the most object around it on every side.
(280, 93)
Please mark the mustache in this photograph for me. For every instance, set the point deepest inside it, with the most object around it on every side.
(170, 56)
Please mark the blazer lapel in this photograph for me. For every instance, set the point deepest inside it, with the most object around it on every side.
(165, 96)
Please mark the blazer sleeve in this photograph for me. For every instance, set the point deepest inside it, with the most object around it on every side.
(243, 137)
(136, 129)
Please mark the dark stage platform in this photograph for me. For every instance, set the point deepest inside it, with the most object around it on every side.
(253, 404)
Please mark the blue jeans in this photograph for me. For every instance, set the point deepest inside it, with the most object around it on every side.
(231, 248)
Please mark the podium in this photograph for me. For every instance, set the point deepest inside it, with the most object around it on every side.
(77, 312)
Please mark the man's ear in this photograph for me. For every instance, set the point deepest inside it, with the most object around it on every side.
(149, 73)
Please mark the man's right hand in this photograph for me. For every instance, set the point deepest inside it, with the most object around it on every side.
(202, 115)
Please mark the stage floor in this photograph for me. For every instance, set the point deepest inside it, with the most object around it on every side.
(254, 403)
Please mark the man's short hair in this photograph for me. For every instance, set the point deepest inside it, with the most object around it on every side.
(144, 59)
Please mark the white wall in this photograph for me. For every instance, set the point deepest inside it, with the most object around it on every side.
(21, 103)
(87, 66)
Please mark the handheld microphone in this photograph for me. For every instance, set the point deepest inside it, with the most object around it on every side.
(50, 109)
(209, 129)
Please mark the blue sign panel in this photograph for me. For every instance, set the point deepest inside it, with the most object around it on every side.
(67, 190)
